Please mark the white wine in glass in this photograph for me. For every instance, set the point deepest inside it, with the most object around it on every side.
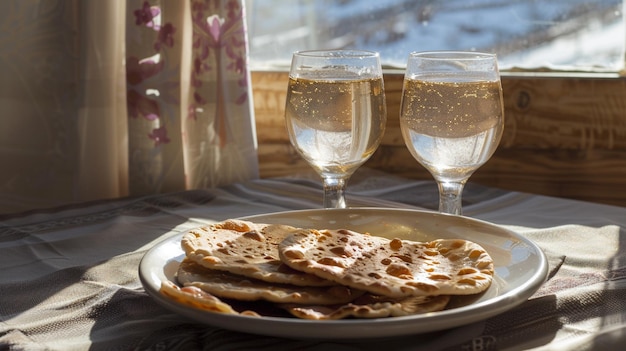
(452, 117)
(335, 113)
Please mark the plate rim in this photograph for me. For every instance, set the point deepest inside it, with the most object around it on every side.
(353, 328)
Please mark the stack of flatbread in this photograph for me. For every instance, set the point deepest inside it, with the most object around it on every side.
(241, 267)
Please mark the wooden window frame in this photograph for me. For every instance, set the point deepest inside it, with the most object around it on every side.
(565, 135)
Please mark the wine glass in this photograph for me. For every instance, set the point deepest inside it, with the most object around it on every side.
(335, 113)
(451, 117)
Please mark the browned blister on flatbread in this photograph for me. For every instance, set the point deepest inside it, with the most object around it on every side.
(390, 267)
(371, 306)
(246, 248)
(227, 285)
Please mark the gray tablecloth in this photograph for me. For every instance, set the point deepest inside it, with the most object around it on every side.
(69, 280)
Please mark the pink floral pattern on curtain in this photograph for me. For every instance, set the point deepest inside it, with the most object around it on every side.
(190, 120)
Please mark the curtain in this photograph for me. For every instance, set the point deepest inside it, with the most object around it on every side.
(103, 99)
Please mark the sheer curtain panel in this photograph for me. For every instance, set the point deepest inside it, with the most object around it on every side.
(103, 99)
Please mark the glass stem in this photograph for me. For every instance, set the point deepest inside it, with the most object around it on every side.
(334, 189)
(450, 197)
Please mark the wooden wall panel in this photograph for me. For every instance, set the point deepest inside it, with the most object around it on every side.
(563, 137)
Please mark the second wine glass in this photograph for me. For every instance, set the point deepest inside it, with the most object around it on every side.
(452, 117)
(335, 113)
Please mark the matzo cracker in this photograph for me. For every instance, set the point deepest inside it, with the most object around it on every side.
(394, 268)
(246, 248)
(232, 286)
(371, 306)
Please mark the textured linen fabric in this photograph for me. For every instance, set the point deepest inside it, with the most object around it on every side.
(69, 278)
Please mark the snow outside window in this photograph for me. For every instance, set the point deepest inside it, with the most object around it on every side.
(569, 35)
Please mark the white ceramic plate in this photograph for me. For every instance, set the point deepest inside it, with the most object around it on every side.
(520, 266)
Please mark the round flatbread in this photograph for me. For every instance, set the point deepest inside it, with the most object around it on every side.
(227, 285)
(394, 268)
(196, 298)
(371, 306)
(247, 249)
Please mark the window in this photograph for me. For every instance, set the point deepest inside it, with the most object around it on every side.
(556, 34)
(565, 129)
